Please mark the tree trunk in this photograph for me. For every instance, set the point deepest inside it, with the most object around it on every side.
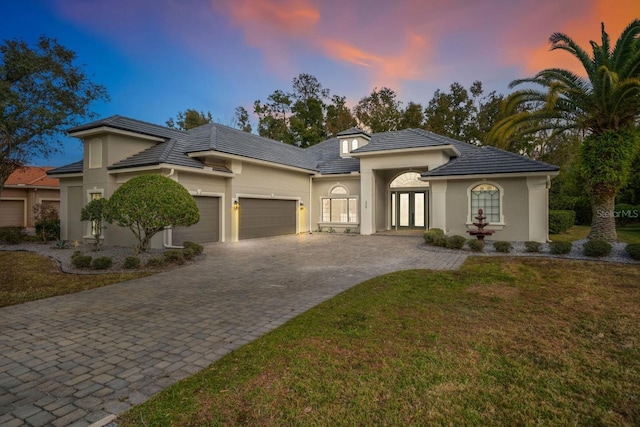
(603, 224)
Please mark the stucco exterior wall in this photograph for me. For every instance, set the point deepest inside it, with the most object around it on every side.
(321, 188)
(31, 196)
(515, 208)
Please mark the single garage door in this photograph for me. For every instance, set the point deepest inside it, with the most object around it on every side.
(207, 229)
(12, 213)
(266, 217)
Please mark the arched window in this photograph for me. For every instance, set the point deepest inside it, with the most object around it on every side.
(339, 207)
(487, 198)
(408, 179)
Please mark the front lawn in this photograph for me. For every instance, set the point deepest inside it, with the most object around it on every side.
(25, 276)
(502, 341)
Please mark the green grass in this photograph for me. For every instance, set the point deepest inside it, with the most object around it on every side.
(508, 341)
(26, 276)
(627, 234)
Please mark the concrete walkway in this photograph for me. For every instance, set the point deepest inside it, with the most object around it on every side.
(76, 359)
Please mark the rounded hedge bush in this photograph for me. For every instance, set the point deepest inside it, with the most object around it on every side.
(476, 245)
(81, 261)
(597, 248)
(455, 242)
(502, 246)
(197, 248)
(560, 248)
(131, 262)
(102, 263)
(174, 255)
(532, 246)
(431, 235)
(633, 250)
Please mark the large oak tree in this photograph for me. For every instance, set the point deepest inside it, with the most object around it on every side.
(42, 93)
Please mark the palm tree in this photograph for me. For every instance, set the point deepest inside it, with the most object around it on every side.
(604, 106)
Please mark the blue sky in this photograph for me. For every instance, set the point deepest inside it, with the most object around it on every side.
(158, 57)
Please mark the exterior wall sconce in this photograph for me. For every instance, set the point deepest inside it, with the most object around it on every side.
(236, 205)
(301, 206)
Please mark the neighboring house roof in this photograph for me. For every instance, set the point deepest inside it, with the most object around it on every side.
(131, 125)
(32, 176)
(487, 161)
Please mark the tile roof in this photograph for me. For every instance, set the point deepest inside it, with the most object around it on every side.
(75, 167)
(490, 160)
(328, 160)
(132, 125)
(412, 138)
(32, 176)
(323, 157)
(352, 131)
(216, 137)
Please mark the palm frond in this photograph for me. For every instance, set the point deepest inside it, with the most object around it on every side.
(627, 45)
(563, 42)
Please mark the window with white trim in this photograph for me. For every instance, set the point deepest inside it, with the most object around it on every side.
(487, 198)
(339, 207)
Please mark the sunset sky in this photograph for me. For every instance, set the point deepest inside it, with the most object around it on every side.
(158, 57)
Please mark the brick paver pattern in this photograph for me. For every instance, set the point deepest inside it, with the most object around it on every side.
(75, 359)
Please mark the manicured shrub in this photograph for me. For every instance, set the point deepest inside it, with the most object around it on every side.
(502, 246)
(624, 214)
(597, 248)
(75, 254)
(174, 255)
(633, 250)
(102, 263)
(188, 253)
(440, 241)
(156, 262)
(11, 235)
(432, 234)
(197, 248)
(532, 246)
(559, 248)
(455, 242)
(476, 245)
(131, 262)
(81, 261)
(560, 221)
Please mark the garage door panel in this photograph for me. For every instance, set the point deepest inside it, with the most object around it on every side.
(207, 229)
(12, 213)
(266, 217)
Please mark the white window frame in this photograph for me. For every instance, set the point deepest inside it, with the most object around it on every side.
(471, 215)
(340, 196)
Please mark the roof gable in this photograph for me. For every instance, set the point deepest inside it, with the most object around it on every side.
(131, 125)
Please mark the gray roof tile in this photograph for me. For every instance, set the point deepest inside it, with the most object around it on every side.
(487, 161)
(352, 131)
(323, 157)
(75, 167)
(132, 125)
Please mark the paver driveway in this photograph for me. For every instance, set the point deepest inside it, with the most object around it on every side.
(76, 359)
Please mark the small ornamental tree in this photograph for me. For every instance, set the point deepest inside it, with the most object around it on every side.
(147, 204)
(96, 212)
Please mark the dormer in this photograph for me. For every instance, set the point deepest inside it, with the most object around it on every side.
(352, 139)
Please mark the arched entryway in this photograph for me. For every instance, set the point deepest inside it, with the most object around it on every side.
(409, 198)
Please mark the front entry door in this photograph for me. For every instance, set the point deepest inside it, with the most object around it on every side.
(408, 209)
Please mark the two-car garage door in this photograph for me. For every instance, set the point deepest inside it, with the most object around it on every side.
(12, 213)
(266, 217)
(257, 218)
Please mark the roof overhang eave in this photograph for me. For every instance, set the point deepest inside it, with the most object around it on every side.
(448, 148)
(108, 129)
(551, 174)
(220, 154)
(160, 166)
